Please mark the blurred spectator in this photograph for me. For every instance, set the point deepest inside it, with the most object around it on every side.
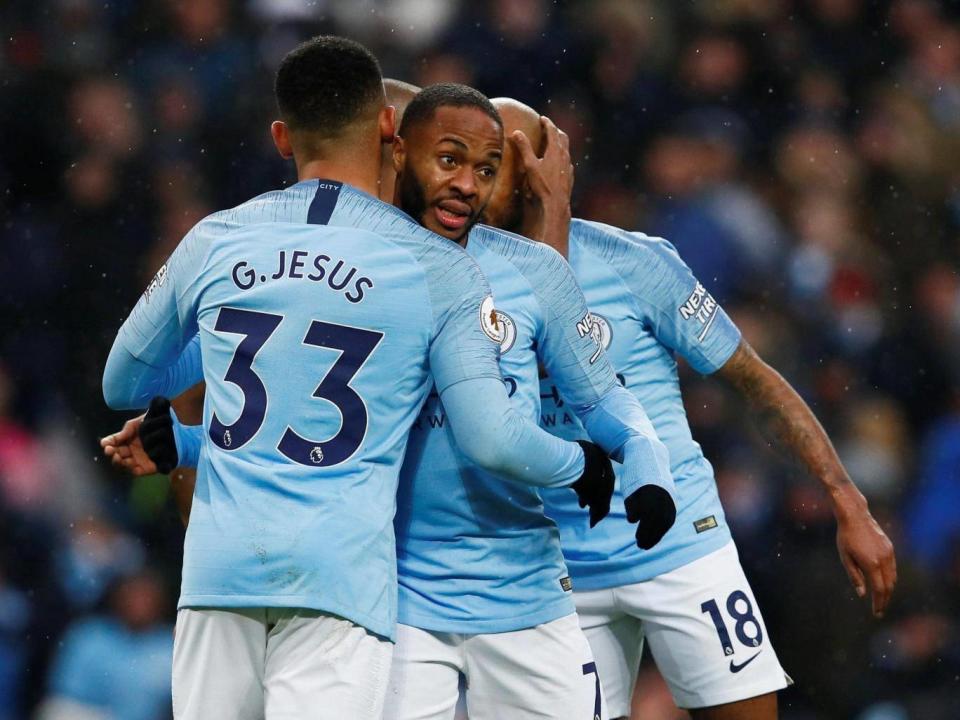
(14, 620)
(932, 527)
(117, 666)
(95, 555)
(24, 480)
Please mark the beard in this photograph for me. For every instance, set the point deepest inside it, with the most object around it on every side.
(413, 200)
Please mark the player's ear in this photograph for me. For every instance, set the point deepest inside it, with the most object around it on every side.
(399, 154)
(281, 139)
(388, 123)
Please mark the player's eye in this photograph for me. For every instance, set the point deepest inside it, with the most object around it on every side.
(448, 160)
(488, 172)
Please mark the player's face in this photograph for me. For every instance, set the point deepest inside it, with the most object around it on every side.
(447, 169)
(505, 209)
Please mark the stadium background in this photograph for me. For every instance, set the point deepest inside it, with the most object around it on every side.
(803, 156)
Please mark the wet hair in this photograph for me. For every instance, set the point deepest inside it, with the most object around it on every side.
(327, 83)
(433, 97)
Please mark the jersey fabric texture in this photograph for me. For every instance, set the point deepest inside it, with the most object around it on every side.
(475, 552)
(322, 314)
(647, 307)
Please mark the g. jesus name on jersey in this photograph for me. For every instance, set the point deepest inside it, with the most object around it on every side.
(646, 307)
(323, 316)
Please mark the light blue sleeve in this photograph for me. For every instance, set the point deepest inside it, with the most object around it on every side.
(570, 348)
(680, 311)
(459, 292)
(619, 424)
(568, 341)
(153, 353)
(130, 383)
(188, 440)
(464, 361)
(497, 438)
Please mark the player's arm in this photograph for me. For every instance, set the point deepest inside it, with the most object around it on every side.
(156, 351)
(865, 550)
(464, 362)
(685, 318)
(129, 382)
(155, 442)
(492, 434)
(550, 182)
(612, 416)
(128, 449)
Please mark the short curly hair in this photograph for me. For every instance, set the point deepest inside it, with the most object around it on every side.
(325, 84)
(433, 97)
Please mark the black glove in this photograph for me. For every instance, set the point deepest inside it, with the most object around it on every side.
(595, 486)
(156, 435)
(652, 507)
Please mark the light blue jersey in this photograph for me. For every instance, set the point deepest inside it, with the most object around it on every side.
(475, 552)
(647, 306)
(322, 314)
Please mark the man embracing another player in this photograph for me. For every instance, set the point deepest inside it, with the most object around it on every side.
(688, 596)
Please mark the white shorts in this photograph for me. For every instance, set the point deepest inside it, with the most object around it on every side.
(705, 631)
(542, 672)
(278, 664)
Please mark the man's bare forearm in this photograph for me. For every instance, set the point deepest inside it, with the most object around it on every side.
(865, 550)
(787, 422)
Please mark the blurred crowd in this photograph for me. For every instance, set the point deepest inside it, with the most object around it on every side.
(803, 156)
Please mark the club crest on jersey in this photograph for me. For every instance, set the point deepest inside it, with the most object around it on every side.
(497, 325)
(597, 327)
(158, 280)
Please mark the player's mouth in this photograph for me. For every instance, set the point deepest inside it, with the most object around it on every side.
(452, 214)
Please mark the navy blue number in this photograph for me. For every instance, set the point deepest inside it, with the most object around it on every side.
(356, 345)
(710, 606)
(592, 668)
(257, 327)
(742, 620)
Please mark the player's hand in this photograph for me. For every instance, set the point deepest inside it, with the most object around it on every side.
(157, 435)
(125, 449)
(551, 176)
(654, 511)
(595, 486)
(866, 553)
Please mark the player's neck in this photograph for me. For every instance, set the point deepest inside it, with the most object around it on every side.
(363, 177)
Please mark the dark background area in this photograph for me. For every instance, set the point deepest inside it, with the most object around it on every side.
(803, 156)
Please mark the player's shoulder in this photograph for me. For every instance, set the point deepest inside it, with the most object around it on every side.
(530, 257)
(393, 224)
(274, 206)
(636, 256)
(448, 268)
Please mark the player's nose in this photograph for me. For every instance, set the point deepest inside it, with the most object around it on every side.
(464, 181)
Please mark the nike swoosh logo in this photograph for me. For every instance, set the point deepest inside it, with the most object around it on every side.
(734, 668)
